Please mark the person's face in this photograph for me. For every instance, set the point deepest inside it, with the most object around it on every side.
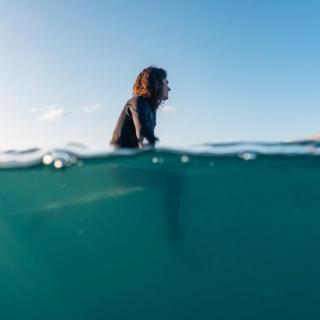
(165, 90)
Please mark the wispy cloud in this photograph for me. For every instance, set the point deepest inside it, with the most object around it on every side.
(168, 109)
(92, 108)
(54, 112)
(50, 113)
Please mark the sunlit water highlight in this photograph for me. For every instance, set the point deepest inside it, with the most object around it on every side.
(227, 231)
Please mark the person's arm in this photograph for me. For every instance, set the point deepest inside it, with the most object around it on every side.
(139, 115)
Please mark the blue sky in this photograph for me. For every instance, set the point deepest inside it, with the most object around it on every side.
(238, 69)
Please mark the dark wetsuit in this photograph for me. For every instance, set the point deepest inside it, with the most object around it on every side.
(136, 122)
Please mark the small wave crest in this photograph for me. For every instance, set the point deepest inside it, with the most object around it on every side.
(71, 154)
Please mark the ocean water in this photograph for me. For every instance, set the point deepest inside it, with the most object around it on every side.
(229, 231)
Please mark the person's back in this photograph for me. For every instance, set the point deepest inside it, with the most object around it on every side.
(137, 120)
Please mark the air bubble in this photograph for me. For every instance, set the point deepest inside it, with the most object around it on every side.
(47, 159)
(58, 164)
(184, 159)
(155, 160)
(59, 159)
(248, 155)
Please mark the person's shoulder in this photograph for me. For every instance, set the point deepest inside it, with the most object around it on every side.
(138, 101)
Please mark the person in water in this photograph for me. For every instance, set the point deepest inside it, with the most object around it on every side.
(137, 120)
(136, 124)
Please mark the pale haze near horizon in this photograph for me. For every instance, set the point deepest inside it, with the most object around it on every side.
(238, 70)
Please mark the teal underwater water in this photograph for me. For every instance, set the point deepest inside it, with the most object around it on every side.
(229, 232)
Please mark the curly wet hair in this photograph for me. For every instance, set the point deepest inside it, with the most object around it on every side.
(149, 83)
